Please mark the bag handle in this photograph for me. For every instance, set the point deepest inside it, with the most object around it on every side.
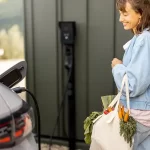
(124, 82)
(117, 100)
(127, 93)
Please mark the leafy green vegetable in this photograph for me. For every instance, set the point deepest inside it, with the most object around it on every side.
(88, 126)
(106, 100)
(128, 129)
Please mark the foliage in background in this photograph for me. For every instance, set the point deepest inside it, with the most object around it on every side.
(12, 43)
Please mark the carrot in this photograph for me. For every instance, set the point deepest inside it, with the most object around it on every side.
(119, 107)
(120, 114)
(109, 109)
(126, 117)
(122, 110)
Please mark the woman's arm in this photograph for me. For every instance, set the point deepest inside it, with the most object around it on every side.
(138, 70)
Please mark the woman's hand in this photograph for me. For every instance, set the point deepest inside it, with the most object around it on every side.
(115, 62)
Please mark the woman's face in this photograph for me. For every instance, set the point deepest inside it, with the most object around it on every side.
(130, 19)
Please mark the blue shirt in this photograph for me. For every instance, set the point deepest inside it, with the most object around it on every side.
(136, 64)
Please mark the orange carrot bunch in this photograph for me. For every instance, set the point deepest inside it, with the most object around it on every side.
(122, 114)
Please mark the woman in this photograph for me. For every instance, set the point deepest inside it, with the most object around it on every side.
(135, 16)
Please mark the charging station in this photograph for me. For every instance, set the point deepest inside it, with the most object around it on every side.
(68, 35)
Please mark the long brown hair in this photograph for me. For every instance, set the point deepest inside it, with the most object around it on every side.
(139, 6)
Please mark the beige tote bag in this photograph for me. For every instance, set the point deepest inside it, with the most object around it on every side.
(106, 128)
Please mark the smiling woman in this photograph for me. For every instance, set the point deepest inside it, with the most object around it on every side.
(135, 68)
(129, 18)
(134, 14)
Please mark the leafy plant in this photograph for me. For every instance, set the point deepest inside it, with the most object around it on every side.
(88, 126)
(128, 129)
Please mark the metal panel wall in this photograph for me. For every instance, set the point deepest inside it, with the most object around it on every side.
(99, 38)
(101, 49)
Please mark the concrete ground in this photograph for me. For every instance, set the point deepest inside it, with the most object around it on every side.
(54, 147)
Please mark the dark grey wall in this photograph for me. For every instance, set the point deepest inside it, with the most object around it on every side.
(99, 38)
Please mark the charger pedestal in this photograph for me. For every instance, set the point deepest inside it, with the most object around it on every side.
(68, 33)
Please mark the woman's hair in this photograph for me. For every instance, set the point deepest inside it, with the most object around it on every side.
(139, 6)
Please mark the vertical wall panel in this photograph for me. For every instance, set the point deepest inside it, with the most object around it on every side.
(101, 49)
(29, 44)
(45, 61)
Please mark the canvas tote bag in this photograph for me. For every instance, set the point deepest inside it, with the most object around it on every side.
(106, 128)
